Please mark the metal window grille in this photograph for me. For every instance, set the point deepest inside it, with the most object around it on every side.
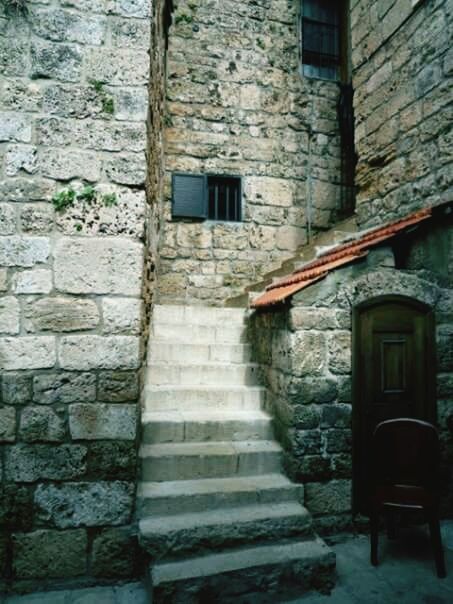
(224, 198)
(321, 38)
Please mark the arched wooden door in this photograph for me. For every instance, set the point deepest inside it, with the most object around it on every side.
(393, 374)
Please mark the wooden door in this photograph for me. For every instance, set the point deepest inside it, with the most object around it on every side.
(393, 361)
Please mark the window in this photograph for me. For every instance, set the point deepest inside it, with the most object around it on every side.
(212, 197)
(321, 38)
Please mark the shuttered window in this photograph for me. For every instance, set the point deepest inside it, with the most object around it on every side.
(321, 40)
(213, 197)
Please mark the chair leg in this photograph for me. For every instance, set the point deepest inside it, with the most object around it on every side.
(436, 540)
(374, 536)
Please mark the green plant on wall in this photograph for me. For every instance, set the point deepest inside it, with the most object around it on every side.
(108, 104)
(62, 200)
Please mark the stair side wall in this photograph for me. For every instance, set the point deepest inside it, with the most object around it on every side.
(72, 115)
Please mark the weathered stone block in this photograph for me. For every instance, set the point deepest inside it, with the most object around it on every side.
(269, 191)
(61, 315)
(340, 355)
(20, 157)
(290, 237)
(131, 104)
(133, 8)
(15, 127)
(112, 460)
(445, 348)
(26, 189)
(338, 441)
(306, 442)
(64, 26)
(312, 390)
(64, 387)
(230, 237)
(66, 164)
(27, 463)
(7, 424)
(37, 352)
(122, 315)
(115, 554)
(16, 388)
(16, 507)
(333, 497)
(98, 266)
(3, 280)
(117, 386)
(127, 68)
(103, 422)
(307, 353)
(85, 503)
(37, 219)
(307, 417)
(98, 352)
(24, 251)
(41, 424)
(55, 61)
(9, 315)
(336, 416)
(126, 169)
(49, 554)
(312, 318)
(7, 219)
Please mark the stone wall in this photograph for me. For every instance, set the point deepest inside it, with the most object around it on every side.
(236, 104)
(402, 75)
(305, 352)
(73, 107)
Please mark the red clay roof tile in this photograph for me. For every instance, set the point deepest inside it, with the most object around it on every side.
(334, 258)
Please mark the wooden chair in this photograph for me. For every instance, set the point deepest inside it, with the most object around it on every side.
(405, 477)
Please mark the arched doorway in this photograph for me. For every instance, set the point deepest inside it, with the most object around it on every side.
(393, 374)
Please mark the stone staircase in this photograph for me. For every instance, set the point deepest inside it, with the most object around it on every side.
(218, 518)
(341, 232)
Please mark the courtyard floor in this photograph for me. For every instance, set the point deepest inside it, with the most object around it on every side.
(405, 575)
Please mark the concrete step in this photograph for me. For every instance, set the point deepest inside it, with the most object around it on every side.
(189, 461)
(175, 352)
(221, 332)
(167, 398)
(205, 425)
(198, 315)
(263, 574)
(182, 496)
(203, 374)
(213, 529)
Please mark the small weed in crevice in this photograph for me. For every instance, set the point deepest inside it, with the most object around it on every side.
(88, 195)
(108, 104)
(183, 18)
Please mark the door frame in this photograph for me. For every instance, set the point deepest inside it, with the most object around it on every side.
(430, 342)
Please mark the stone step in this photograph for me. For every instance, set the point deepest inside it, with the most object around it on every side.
(205, 425)
(213, 529)
(175, 352)
(182, 496)
(189, 461)
(222, 333)
(263, 574)
(198, 315)
(203, 374)
(167, 398)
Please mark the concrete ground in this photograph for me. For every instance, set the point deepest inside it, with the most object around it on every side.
(406, 575)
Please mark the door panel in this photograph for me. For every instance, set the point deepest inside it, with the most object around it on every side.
(393, 374)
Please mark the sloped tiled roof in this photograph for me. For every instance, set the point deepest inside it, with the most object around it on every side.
(338, 256)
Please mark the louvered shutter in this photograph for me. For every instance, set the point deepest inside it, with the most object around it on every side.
(189, 196)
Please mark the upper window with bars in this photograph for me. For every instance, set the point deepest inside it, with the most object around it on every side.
(211, 197)
(321, 38)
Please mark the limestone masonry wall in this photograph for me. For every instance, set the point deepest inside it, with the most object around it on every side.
(236, 104)
(73, 106)
(402, 76)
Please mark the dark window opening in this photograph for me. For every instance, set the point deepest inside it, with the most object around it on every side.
(203, 197)
(224, 195)
(322, 25)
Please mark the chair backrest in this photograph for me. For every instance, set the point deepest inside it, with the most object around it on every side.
(406, 452)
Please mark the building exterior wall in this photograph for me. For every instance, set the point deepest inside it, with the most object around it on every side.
(306, 354)
(402, 75)
(73, 107)
(236, 104)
